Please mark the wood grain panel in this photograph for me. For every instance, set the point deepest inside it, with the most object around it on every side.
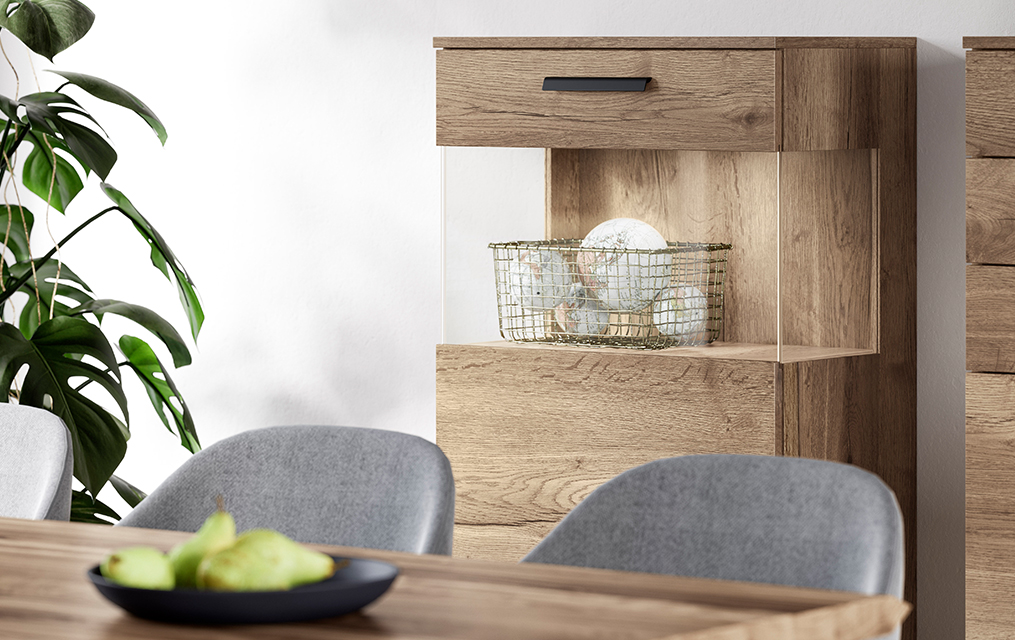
(990, 103)
(594, 414)
(990, 318)
(990, 505)
(838, 412)
(864, 99)
(696, 99)
(990, 210)
(499, 542)
(988, 42)
(829, 269)
(587, 42)
(690, 196)
(830, 99)
(705, 42)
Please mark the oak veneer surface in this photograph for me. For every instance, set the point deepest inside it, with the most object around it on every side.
(829, 248)
(695, 100)
(706, 42)
(990, 201)
(990, 103)
(990, 503)
(591, 415)
(990, 318)
(683, 195)
(44, 595)
(988, 42)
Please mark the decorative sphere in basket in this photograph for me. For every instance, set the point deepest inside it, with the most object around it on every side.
(581, 313)
(682, 313)
(616, 263)
(539, 279)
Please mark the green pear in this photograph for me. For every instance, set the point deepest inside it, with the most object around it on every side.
(217, 533)
(263, 560)
(139, 567)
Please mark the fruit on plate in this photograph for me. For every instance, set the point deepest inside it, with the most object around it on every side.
(217, 533)
(263, 560)
(139, 567)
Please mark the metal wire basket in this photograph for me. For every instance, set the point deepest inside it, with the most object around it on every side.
(556, 291)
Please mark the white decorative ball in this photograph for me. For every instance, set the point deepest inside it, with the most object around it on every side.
(622, 280)
(539, 279)
(581, 313)
(682, 313)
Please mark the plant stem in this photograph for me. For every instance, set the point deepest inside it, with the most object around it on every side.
(13, 288)
(14, 147)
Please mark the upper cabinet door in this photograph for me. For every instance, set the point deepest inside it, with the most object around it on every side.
(990, 103)
(696, 99)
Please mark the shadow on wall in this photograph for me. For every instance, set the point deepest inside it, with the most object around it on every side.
(940, 342)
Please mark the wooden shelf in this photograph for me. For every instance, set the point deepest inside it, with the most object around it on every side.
(714, 351)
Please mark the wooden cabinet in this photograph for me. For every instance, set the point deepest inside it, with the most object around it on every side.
(990, 338)
(800, 152)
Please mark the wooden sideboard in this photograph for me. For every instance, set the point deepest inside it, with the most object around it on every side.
(800, 152)
(990, 338)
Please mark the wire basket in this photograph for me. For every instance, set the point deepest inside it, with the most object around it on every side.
(556, 291)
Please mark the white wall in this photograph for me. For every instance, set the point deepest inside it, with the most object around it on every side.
(301, 187)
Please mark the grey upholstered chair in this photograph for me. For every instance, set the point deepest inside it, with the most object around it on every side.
(36, 464)
(316, 484)
(790, 521)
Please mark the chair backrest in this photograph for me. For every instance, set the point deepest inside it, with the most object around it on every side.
(316, 484)
(790, 521)
(36, 464)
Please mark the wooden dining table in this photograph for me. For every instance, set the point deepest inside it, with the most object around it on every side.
(45, 594)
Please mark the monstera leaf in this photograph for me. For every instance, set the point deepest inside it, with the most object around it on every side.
(109, 92)
(47, 27)
(161, 389)
(45, 113)
(42, 303)
(16, 224)
(48, 174)
(55, 359)
(145, 317)
(163, 258)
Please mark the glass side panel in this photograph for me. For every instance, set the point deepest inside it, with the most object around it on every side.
(490, 195)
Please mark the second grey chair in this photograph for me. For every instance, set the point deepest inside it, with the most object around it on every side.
(792, 521)
(316, 484)
(36, 464)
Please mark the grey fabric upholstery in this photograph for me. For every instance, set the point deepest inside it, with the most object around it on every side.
(36, 464)
(769, 519)
(316, 484)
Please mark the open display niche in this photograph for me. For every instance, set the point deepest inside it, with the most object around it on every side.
(800, 152)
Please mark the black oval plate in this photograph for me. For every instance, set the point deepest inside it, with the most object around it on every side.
(353, 587)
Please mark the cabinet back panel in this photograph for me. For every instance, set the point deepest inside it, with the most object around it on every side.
(688, 196)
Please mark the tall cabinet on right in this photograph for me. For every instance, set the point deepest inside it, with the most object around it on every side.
(990, 338)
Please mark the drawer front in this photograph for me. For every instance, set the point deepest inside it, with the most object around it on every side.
(990, 103)
(990, 505)
(696, 99)
(990, 318)
(990, 205)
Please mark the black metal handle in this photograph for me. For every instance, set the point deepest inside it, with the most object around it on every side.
(595, 84)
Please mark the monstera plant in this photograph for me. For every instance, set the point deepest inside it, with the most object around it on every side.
(54, 352)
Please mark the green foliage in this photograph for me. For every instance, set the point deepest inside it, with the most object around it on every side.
(47, 27)
(54, 352)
